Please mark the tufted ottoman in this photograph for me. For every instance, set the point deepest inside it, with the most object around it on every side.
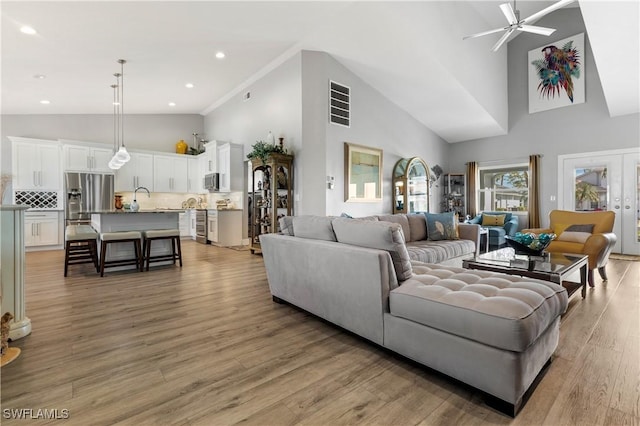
(477, 326)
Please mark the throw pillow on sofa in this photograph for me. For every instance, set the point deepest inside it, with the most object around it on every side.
(314, 227)
(493, 219)
(379, 235)
(442, 226)
(574, 233)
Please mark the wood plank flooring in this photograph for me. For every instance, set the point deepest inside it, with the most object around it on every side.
(206, 345)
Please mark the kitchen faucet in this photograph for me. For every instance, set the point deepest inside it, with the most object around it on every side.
(134, 205)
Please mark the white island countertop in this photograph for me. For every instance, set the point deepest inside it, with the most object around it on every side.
(143, 220)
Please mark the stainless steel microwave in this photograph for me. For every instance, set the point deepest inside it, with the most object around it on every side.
(212, 181)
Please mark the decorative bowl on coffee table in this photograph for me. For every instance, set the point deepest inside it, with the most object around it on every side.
(530, 244)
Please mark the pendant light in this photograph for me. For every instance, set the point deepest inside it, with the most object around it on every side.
(120, 156)
(115, 164)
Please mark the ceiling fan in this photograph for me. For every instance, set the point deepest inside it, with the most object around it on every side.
(515, 23)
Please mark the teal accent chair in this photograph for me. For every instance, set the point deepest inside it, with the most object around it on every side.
(497, 233)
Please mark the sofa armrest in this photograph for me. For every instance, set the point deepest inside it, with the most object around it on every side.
(537, 230)
(344, 284)
(598, 247)
(511, 226)
(470, 231)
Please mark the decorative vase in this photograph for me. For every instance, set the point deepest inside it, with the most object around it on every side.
(281, 142)
(118, 202)
(270, 139)
(181, 147)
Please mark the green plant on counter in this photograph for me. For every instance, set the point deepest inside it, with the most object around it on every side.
(262, 150)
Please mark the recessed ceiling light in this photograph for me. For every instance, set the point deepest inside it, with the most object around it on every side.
(172, 104)
(189, 85)
(27, 30)
(220, 55)
(40, 76)
(45, 102)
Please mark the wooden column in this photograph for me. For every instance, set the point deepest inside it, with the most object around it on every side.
(12, 268)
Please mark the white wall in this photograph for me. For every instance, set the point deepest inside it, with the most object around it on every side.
(579, 128)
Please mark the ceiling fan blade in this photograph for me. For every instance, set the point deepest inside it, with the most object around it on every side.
(538, 15)
(484, 33)
(508, 13)
(536, 30)
(504, 38)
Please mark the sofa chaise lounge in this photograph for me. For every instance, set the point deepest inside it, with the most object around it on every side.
(492, 331)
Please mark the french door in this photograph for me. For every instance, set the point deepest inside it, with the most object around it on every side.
(606, 180)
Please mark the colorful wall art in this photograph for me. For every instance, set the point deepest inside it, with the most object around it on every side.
(556, 74)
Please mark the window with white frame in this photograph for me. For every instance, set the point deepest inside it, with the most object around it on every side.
(503, 188)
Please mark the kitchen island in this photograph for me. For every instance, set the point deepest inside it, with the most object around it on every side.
(143, 220)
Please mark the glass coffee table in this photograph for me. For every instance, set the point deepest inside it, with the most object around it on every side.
(554, 267)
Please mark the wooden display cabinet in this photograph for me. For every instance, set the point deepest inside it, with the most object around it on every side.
(272, 189)
(411, 186)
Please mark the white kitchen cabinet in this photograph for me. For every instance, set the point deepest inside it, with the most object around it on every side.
(230, 167)
(212, 226)
(78, 158)
(225, 227)
(209, 160)
(41, 229)
(36, 164)
(194, 182)
(183, 224)
(192, 223)
(137, 172)
(170, 173)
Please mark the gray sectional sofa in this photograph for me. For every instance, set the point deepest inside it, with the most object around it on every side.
(492, 331)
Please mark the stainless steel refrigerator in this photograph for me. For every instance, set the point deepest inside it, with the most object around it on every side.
(86, 193)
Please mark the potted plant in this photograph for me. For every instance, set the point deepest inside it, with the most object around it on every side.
(261, 150)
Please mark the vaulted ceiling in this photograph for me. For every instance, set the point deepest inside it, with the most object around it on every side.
(412, 52)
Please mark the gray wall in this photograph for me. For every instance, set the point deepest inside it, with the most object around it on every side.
(378, 123)
(575, 129)
(292, 101)
(274, 106)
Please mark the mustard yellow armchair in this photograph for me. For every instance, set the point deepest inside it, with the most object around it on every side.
(587, 233)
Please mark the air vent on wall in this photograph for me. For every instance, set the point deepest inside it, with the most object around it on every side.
(339, 104)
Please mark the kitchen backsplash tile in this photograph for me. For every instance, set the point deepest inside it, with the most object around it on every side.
(159, 200)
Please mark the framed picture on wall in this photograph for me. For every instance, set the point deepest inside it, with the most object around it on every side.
(362, 173)
(556, 74)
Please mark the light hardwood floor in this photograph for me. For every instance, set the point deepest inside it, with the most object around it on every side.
(206, 345)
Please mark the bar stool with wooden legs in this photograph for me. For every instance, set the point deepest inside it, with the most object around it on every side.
(162, 234)
(80, 246)
(120, 237)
